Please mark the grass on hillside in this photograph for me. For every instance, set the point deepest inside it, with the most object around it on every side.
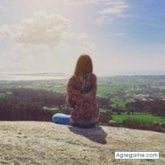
(140, 117)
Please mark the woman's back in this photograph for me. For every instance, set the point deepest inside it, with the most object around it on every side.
(81, 92)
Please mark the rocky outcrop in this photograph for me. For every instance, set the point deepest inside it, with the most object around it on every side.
(45, 143)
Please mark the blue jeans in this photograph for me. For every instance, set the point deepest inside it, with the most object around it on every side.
(61, 118)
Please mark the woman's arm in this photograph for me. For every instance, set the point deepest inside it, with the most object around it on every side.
(93, 91)
(71, 89)
(74, 96)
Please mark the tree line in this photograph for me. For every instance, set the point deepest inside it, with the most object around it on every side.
(27, 104)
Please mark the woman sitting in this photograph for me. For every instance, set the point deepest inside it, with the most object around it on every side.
(81, 94)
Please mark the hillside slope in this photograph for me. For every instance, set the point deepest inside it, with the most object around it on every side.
(44, 143)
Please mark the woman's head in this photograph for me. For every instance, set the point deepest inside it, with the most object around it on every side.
(84, 65)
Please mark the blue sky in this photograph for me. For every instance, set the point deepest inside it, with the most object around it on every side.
(122, 36)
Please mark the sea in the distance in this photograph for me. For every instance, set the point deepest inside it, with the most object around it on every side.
(8, 76)
(32, 76)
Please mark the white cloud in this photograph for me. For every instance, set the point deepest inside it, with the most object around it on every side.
(43, 29)
(40, 29)
(85, 40)
(5, 31)
(80, 2)
(113, 9)
(107, 10)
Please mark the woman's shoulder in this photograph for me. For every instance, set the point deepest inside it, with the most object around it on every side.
(73, 78)
(94, 76)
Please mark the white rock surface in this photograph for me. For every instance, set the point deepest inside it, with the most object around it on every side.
(45, 143)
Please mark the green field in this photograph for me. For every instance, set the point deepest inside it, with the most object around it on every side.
(139, 117)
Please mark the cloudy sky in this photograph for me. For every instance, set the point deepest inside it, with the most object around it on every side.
(122, 36)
